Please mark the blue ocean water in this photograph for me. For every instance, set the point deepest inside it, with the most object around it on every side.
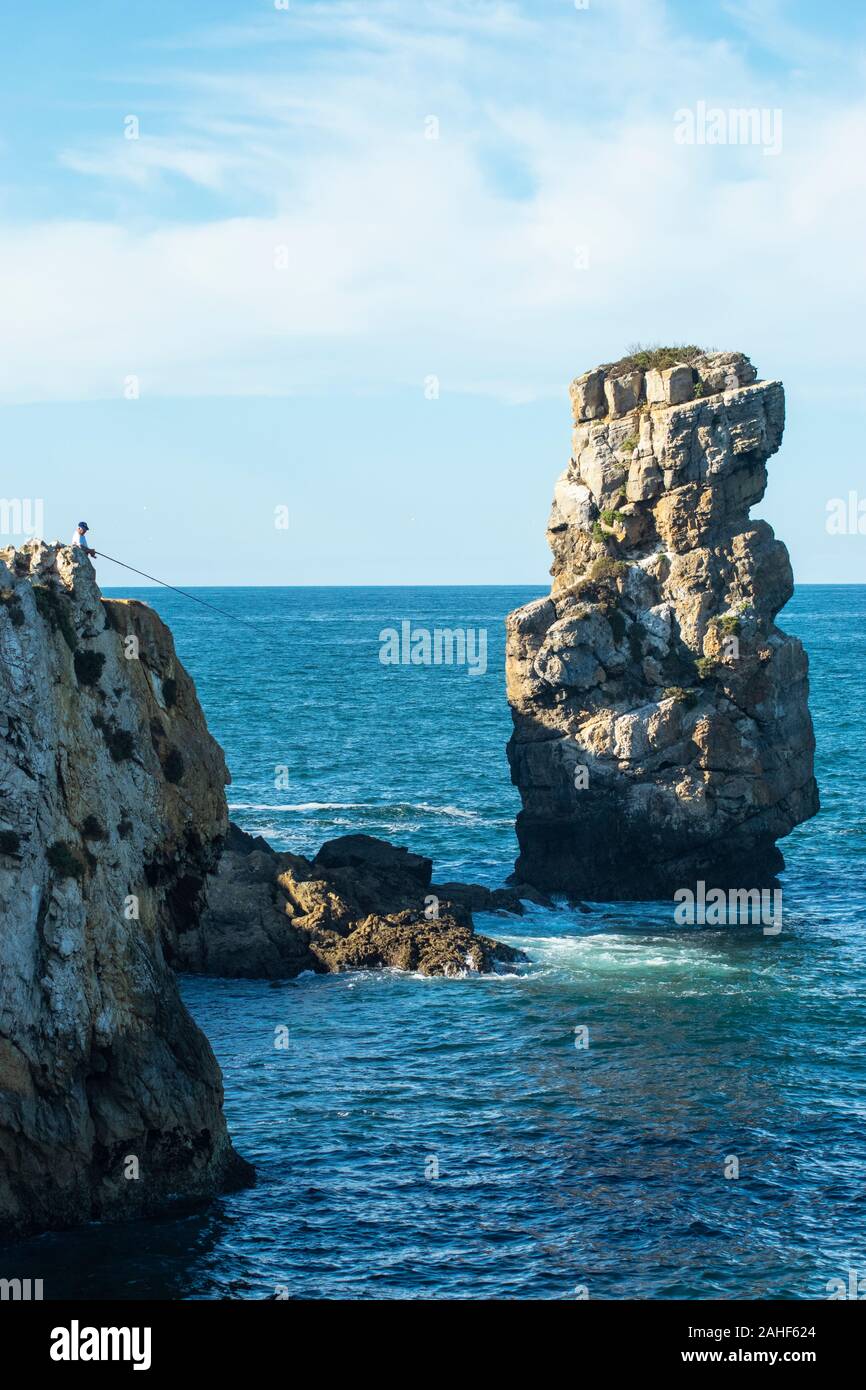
(558, 1168)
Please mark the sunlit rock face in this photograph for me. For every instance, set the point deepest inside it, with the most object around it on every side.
(361, 904)
(112, 812)
(661, 727)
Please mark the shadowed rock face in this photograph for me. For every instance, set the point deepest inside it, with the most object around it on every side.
(661, 727)
(112, 812)
(360, 904)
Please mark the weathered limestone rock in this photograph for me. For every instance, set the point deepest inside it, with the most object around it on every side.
(661, 726)
(360, 904)
(623, 393)
(112, 812)
(587, 396)
(670, 385)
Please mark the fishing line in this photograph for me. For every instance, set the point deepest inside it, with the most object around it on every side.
(212, 606)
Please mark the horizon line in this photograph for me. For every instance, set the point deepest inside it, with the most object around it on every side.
(453, 584)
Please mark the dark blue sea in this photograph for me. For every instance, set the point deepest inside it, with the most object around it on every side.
(559, 1169)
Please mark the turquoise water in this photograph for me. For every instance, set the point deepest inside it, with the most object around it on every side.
(557, 1167)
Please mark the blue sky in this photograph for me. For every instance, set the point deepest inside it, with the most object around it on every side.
(282, 260)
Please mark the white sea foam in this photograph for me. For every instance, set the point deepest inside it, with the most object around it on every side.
(410, 808)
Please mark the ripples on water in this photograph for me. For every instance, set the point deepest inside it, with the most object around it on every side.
(558, 1167)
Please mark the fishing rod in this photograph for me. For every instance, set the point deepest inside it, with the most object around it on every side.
(212, 606)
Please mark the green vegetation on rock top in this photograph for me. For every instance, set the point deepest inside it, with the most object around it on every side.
(646, 356)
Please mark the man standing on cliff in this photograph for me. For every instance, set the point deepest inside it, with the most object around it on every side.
(78, 538)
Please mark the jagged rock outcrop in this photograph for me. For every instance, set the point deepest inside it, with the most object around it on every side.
(360, 904)
(112, 812)
(661, 727)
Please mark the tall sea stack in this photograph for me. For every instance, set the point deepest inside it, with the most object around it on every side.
(112, 812)
(661, 727)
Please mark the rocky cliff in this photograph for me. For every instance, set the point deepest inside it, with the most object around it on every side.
(661, 727)
(112, 812)
(118, 866)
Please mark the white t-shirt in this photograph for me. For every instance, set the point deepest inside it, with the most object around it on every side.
(79, 540)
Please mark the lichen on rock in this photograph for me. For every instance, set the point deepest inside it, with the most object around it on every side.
(661, 726)
(110, 1096)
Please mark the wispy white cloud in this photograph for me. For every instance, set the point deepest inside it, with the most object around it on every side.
(376, 256)
(389, 23)
(141, 162)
